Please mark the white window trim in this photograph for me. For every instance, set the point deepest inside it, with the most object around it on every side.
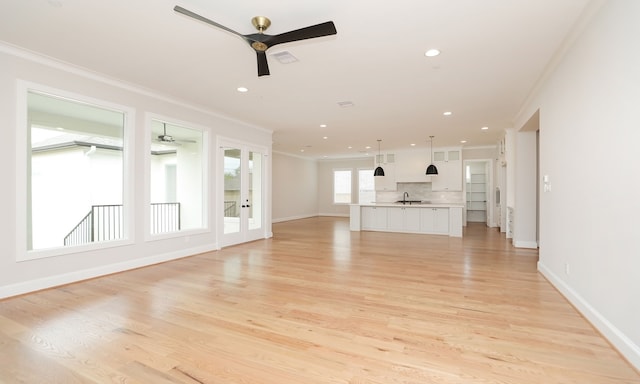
(22, 253)
(372, 169)
(333, 185)
(206, 228)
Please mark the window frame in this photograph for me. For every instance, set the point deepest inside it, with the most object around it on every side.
(371, 170)
(334, 171)
(206, 166)
(22, 153)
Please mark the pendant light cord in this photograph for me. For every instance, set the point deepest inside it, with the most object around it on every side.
(431, 149)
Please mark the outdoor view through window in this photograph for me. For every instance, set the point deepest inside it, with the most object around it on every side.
(75, 163)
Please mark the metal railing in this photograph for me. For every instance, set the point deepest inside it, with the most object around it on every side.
(230, 208)
(165, 217)
(105, 222)
(81, 233)
(102, 223)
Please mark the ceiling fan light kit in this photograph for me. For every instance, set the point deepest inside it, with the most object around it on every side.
(260, 41)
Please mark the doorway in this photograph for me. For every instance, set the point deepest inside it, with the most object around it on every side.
(477, 191)
(242, 193)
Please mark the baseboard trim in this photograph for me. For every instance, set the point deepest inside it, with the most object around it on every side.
(85, 274)
(617, 338)
(525, 244)
(334, 214)
(290, 218)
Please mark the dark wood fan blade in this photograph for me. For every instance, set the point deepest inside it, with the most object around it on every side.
(319, 30)
(186, 12)
(263, 66)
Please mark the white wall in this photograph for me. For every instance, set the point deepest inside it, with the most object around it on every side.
(295, 187)
(589, 137)
(525, 233)
(65, 184)
(479, 153)
(189, 181)
(326, 207)
(20, 277)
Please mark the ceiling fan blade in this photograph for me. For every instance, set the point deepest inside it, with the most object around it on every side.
(318, 30)
(186, 12)
(263, 66)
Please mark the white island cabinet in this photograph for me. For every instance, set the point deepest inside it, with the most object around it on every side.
(403, 219)
(374, 218)
(434, 219)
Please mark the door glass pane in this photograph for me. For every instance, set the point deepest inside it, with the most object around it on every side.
(255, 190)
(75, 181)
(232, 188)
(176, 177)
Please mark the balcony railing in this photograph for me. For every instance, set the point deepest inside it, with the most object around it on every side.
(165, 217)
(102, 223)
(230, 208)
(105, 222)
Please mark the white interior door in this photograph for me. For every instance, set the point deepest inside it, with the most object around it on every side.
(242, 193)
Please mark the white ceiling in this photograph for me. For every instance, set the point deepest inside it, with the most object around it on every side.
(493, 51)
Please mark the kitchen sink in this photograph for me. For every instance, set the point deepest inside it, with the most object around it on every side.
(409, 202)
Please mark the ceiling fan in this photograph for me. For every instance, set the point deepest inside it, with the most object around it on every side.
(260, 42)
(170, 140)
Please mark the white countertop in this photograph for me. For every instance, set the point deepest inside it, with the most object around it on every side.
(412, 205)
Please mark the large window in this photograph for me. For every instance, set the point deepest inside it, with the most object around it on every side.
(74, 172)
(366, 186)
(176, 178)
(342, 186)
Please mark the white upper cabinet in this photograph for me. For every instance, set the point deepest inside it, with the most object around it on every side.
(449, 164)
(388, 181)
(411, 166)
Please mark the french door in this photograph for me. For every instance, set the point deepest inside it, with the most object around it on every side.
(242, 192)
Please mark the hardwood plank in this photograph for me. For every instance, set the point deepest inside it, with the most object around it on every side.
(315, 304)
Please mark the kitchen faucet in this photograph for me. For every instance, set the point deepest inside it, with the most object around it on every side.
(405, 196)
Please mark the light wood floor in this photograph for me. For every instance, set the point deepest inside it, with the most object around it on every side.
(315, 304)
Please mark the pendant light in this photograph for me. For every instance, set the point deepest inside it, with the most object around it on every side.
(379, 171)
(431, 169)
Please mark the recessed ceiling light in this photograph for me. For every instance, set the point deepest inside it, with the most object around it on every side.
(484, 128)
(325, 137)
(432, 52)
(243, 89)
(463, 141)
(323, 125)
(412, 144)
(448, 113)
(367, 147)
(302, 150)
(349, 147)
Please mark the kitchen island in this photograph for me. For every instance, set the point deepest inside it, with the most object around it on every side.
(415, 217)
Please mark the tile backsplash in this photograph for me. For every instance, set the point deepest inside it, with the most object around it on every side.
(419, 191)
